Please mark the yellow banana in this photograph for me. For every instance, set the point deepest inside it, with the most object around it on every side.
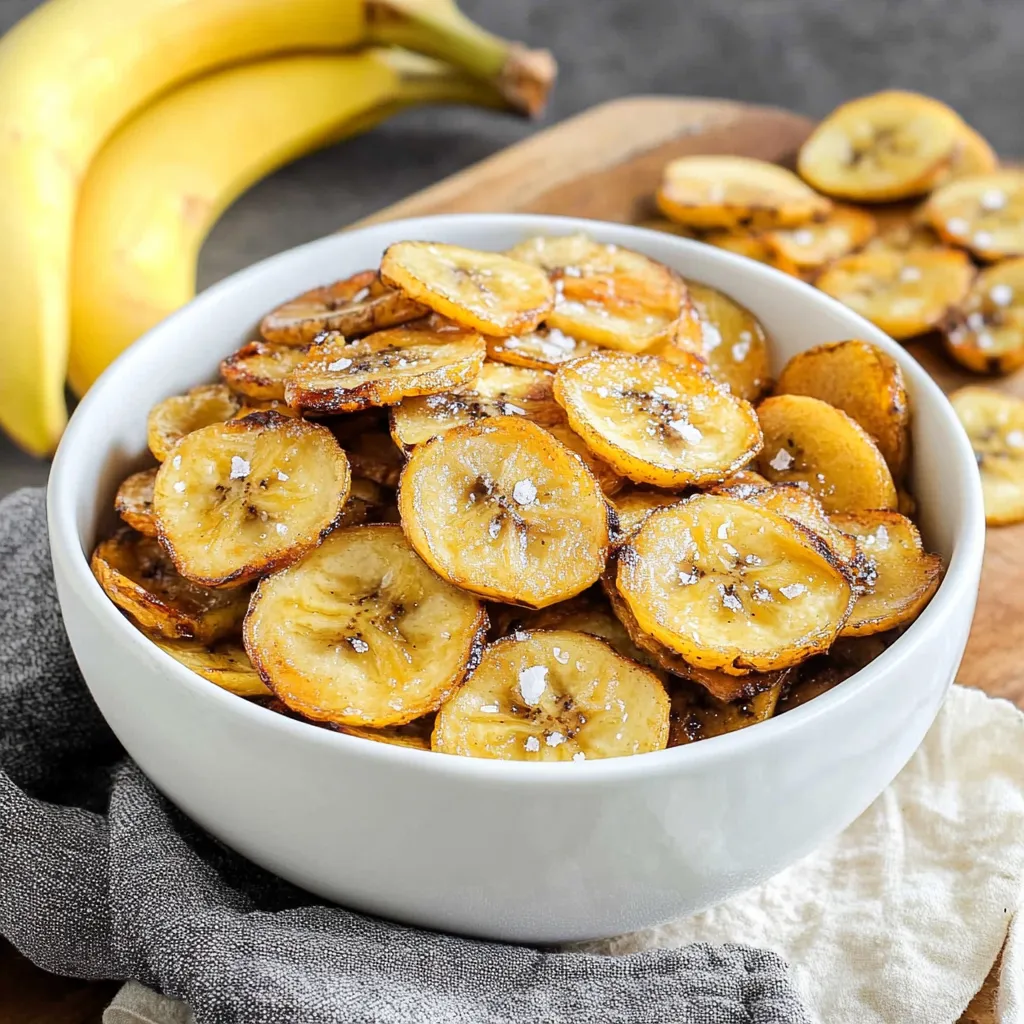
(158, 186)
(73, 70)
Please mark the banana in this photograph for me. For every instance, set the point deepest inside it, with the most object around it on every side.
(554, 695)
(73, 70)
(134, 502)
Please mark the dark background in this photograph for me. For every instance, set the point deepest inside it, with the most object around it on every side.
(808, 55)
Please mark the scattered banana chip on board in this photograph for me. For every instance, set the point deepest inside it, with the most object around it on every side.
(733, 587)
(134, 502)
(654, 422)
(223, 662)
(242, 499)
(484, 291)
(983, 213)
(901, 577)
(812, 246)
(259, 369)
(889, 145)
(361, 632)
(736, 192)
(139, 578)
(338, 376)
(995, 426)
(904, 236)
(358, 305)
(986, 332)
(170, 420)
(502, 509)
(554, 695)
(754, 247)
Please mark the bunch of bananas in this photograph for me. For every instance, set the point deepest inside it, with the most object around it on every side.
(128, 126)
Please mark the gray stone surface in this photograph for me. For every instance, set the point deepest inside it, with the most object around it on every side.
(808, 55)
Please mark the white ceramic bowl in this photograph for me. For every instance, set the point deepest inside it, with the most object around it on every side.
(525, 852)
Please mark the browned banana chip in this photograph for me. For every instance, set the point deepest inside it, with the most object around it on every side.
(901, 577)
(546, 348)
(342, 376)
(636, 505)
(696, 715)
(607, 295)
(812, 246)
(366, 503)
(414, 735)
(278, 405)
(138, 576)
(889, 145)
(733, 587)
(736, 192)
(654, 422)
(370, 449)
(259, 369)
(812, 444)
(500, 508)
(554, 695)
(754, 247)
(986, 334)
(358, 305)
(242, 499)
(223, 662)
(484, 291)
(863, 381)
(170, 420)
(904, 293)
(983, 213)
(361, 632)
(745, 478)
(499, 391)
(134, 502)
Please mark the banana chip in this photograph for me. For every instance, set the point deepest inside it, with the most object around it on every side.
(904, 293)
(812, 444)
(754, 247)
(259, 369)
(170, 420)
(812, 246)
(986, 334)
(736, 192)
(905, 236)
(611, 482)
(654, 422)
(886, 146)
(361, 632)
(995, 425)
(134, 502)
(499, 391)
(342, 376)
(545, 348)
(901, 577)
(370, 449)
(242, 499)
(696, 715)
(983, 213)
(554, 695)
(223, 662)
(358, 305)
(138, 577)
(500, 508)
(413, 735)
(636, 505)
(863, 381)
(484, 291)
(366, 503)
(733, 587)
(607, 295)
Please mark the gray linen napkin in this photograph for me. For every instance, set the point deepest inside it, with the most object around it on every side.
(100, 877)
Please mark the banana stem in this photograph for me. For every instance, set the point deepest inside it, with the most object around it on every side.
(523, 77)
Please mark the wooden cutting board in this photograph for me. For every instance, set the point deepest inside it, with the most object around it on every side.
(604, 164)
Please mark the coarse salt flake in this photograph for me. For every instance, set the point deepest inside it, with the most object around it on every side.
(992, 199)
(554, 739)
(579, 756)
(282, 476)
(910, 274)
(524, 492)
(176, 462)
(239, 468)
(687, 431)
(982, 239)
(803, 237)
(339, 364)
(1001, 294)
(792, 590)
(782, 460)
(1015, 439)
(957, 226)
(282, 528)
(562, 657)
(359, 646)
(180, 487)
(532, 744)
(489, 709)
(533, 682)
(687, 578)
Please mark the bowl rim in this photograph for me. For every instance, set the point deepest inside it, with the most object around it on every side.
(87, 421)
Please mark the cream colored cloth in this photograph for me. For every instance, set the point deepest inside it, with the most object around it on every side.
(898, 919)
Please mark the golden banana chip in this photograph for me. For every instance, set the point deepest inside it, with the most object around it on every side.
(905, 236)
(812, 246)
(754, 247)
(986, 333)
(242, 499)
(259, 369)
(733, 587)
(736, 192)
(500, 508)
(889, 145)
(344, 376)
(863, 381)
(484, 291)
(414, 735)
(697, 715)
(983, 213)
(636, 505)
(903, 293)
(605, 474)
(554, 695)
(134, 502)
(607, 295)
(138, 577)
(170, 420)
(358, 305)
(361, 632)
(995, 425)
(812, 444)
(545, 348)
(223, 662)
(654, 422)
